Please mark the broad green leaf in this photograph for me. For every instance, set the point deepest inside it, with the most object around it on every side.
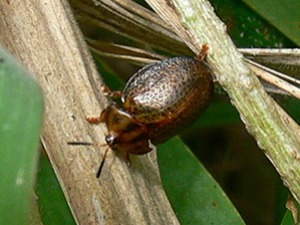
(53, 206)
(247, 28)
(194, 195)
(282, 14)
(21, 107)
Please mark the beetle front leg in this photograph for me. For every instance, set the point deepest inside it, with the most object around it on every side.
(98, 119)
(110, 93)
(94, 119)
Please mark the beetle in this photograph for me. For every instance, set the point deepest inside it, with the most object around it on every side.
(158, 101)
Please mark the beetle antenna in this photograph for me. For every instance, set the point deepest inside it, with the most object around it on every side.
(80, 143)
(83, 143)
(102, 163)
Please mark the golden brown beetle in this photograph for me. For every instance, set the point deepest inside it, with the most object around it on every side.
(158, 101)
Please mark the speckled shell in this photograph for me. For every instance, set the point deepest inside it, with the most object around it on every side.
(168, 95)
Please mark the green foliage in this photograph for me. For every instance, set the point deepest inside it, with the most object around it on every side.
(21, 107)
(52, 203)
(195, 196)
(282, 14)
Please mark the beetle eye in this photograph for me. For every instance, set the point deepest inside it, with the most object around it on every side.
(110, 140)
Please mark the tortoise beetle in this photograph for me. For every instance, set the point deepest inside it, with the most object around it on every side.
(158, 101)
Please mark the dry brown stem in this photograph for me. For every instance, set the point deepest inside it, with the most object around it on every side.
(42, 34)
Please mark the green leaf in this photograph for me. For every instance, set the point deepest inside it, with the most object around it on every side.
(51, 200)
(282, 14)
(247, 28)
(218, 113)
(21, 107)
(194, 195)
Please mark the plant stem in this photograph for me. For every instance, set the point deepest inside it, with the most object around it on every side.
(275, 132)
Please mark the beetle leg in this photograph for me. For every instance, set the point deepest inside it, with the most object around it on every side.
(98, 119)
(94, 119)
(203, 53)
(110, 93)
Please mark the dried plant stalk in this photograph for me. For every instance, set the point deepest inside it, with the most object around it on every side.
(42, 34)
(128, 19)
